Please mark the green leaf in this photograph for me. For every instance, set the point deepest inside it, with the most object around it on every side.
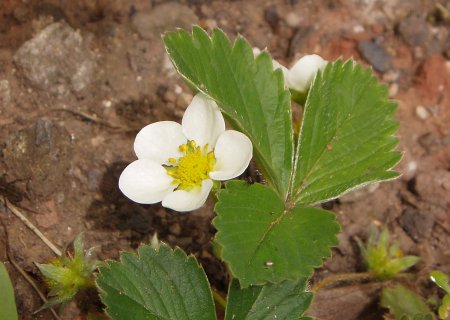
(441, 279)
(55, 273)
(286, 300)
(156, 284)
(247, 90)
(346, 139)
(7, 300)
(264, 242)
(445, 307)
(403, 302)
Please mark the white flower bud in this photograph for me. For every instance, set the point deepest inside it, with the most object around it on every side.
(302, 73)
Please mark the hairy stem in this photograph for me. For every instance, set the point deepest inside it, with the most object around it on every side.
(342, 277)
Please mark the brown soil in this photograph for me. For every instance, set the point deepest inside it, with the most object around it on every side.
(79, 78)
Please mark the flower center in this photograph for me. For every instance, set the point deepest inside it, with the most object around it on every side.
(191, 169)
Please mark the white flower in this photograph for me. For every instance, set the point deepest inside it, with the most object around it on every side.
(302, 73)
(300, 76)
(178, 163)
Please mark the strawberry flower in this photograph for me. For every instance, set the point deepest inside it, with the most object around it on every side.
(177, 164)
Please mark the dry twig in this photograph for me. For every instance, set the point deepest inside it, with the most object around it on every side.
(16, 211)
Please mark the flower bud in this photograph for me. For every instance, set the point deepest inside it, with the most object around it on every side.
(302, 73)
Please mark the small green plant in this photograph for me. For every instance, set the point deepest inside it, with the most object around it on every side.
(67, 274)
(441, 280)
(405, 304)
(383, 259)
(8, 308)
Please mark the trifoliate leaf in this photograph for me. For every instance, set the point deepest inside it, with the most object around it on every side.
(286, 300)
(156, 284)
(247, 90)
(346, 139)
(7, 299)
(265, 242)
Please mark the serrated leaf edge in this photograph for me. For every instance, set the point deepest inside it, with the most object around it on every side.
(296, 195)
(107, 263)
(285, 212)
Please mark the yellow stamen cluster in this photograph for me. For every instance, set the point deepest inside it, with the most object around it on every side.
(191, 169)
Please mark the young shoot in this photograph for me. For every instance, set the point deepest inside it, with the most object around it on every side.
(383, 259)
(67, 274)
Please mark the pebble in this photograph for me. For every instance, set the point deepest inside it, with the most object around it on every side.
(107, 103)
(358, 29)
(422, 112)
(209, 23)
(177, 89)
(293, 20)
(393, 90)
(169, 96)
(414, 30)
(416, 224)
(411, 168)
(57, 60)
(376, 55)
(391, 76)
(43, 132)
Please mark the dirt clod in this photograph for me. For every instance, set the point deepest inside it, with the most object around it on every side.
(416, 224)
(40, 156)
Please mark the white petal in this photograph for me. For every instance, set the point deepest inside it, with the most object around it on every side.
(233, 153)
(159, 141)
(303, 72)
(277, 65)
(256, 51)
(145, 181)
(202, 121)
(181, 200)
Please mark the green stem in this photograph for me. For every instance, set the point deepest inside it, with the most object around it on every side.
(220, 302)
(335, 278)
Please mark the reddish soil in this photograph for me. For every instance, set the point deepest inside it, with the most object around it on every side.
(79, 78)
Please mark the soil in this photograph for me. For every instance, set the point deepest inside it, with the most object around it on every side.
(78, 79)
